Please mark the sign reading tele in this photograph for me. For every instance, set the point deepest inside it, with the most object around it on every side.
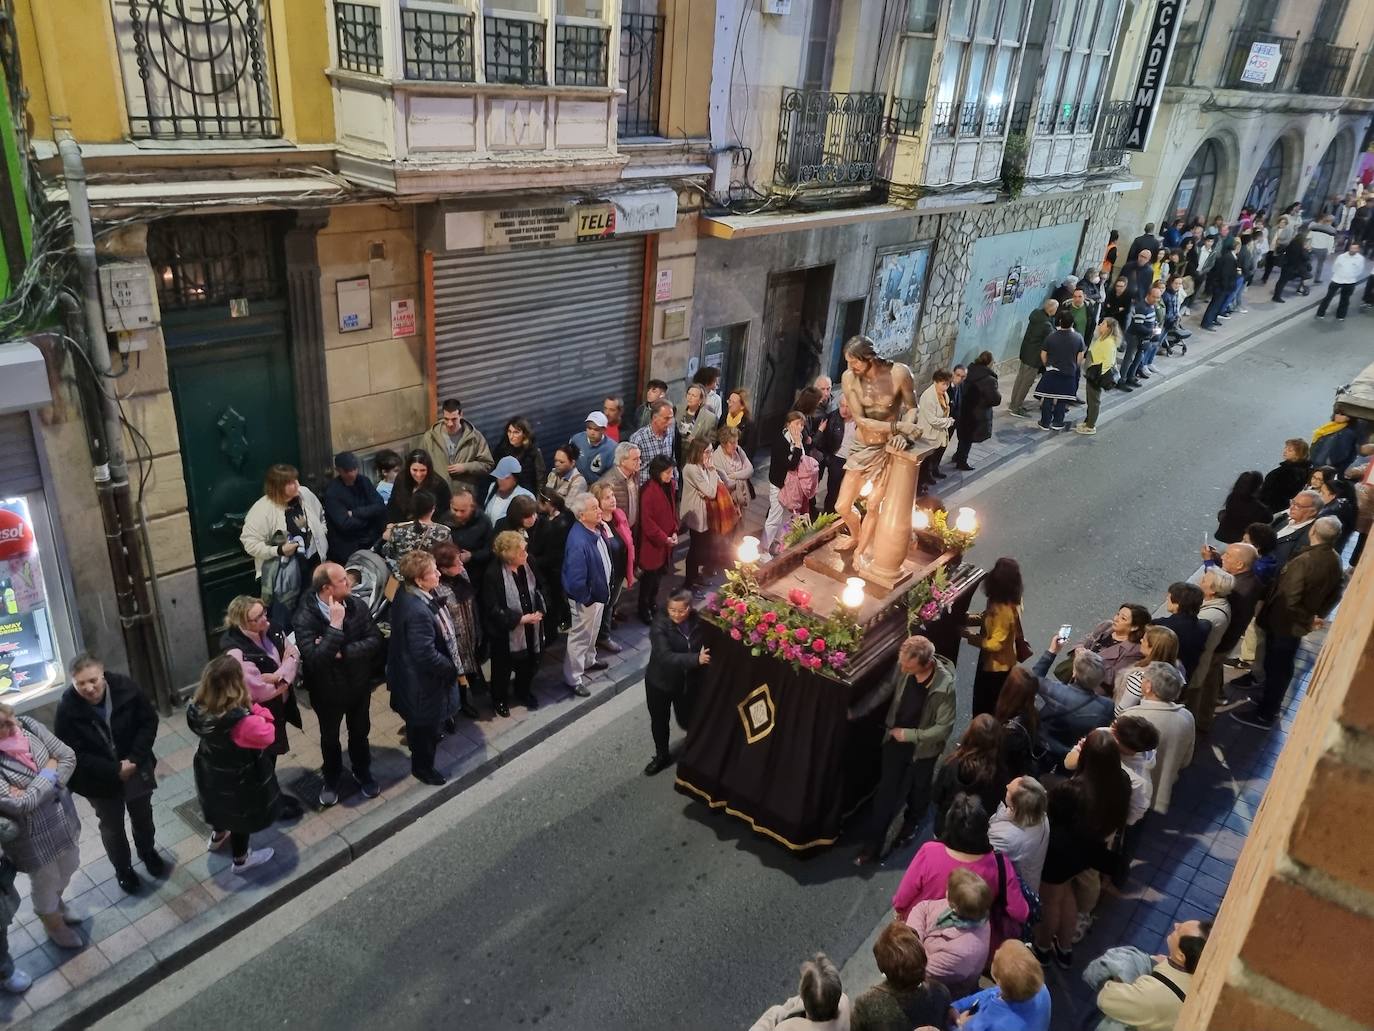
(1149, 85)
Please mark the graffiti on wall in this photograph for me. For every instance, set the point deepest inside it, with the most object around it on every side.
(899, 289)
(1010, 275)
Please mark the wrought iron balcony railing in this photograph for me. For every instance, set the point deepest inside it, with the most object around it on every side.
(828, 140)
(1109, 145)
(641, 72)
(514, 51)
(906, 117)
(437, 45)
(1242, 41)
(197, 71)
(1324, 69)
(581, 55)
(358, 34)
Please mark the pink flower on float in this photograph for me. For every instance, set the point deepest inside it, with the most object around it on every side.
(818, 644)
(770, 617)
(711, 599)
(930, 610)
(736, 634)
(801, 633)
(837, 659)
(741, 607)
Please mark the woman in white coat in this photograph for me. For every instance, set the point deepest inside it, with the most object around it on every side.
(933, 422)
(285, 535)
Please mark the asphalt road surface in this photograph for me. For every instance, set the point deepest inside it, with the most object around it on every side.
(577, 893)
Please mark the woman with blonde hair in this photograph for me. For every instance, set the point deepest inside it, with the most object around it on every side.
(1099, 371)
(700, 483)
(733, 465)
(737, 416)
(514, 607)
(422, 662)
(235, 772)
(695, 420)
(34, 769)
(1159, 644)
(285, 535)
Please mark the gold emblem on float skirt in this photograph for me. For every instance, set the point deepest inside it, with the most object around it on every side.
(758, 714)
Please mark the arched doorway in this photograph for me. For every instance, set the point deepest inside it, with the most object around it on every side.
(1314, 201)
(1197, 186)
(1264, 188)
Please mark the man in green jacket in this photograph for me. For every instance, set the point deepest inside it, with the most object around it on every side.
(920, 716)
(456, 446)
(1037, 328)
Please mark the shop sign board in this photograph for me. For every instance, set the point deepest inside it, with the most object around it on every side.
(515, 229)
(1149, 85)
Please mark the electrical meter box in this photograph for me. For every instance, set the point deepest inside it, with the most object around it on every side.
(128, 297)
(776, 6)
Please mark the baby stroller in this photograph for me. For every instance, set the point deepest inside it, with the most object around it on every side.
(370, 576)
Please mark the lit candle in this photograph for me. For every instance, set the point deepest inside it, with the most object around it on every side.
(920, 519)
(967, 522)
(853, 594)
(749, 550)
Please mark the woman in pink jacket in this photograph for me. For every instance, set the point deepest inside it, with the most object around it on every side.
(965, 846)
(235, 773)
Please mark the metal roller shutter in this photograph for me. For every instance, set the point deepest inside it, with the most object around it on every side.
(544, 333)
(19, 471)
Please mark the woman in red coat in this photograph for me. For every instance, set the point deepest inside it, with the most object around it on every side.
(657, 533)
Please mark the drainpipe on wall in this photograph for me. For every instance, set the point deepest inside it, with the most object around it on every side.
(147, 658)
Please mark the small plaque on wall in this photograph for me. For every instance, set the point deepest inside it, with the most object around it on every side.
(674, 322)
(355, 303)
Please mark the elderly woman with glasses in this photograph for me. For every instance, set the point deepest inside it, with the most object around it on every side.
(270, 665)
(513, 605)
(35, 767)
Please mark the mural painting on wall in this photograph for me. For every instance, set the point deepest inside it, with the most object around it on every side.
(899, 291)
(1009, 277)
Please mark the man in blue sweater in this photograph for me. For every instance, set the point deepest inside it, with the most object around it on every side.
(587, 583)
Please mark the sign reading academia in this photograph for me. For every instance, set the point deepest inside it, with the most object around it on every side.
(1149, 85)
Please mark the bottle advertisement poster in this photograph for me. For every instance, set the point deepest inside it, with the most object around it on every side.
(25, 647)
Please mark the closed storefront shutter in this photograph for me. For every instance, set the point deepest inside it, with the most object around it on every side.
(19, 472)
(544, 333)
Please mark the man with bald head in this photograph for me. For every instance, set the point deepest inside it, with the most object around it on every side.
(339, 645)
(1307, 588)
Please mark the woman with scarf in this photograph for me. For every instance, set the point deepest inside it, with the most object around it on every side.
(695, 420)
(514, 609)
(270, 665)
(422, 662)
(700, 484)
(1335, 442)
(737, 415)
(456, 591)
(417, 475)
(519, 443)
(34, 768)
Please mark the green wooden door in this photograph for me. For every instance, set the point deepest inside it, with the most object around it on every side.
(235, 408)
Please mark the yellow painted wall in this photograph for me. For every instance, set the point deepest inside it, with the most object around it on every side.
(83, 82)
(687, 50)
(300, 37)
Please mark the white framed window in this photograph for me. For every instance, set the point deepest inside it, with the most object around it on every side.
(1076, 68)
(977, 59)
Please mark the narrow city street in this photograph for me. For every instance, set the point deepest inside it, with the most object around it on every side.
(570, 891)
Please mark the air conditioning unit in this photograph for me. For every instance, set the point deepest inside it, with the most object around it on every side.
(776, 6)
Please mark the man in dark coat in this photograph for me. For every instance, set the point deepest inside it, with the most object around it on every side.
(1146, 241)
(1038, 327)
(421, 673)
(1306, 589)
(471, 529)
(1184, 602)
(979, 396)
(1140, 274)
(677, 661)
(338, 641)
(353, 510)
(1221, 282)
(105, 719)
